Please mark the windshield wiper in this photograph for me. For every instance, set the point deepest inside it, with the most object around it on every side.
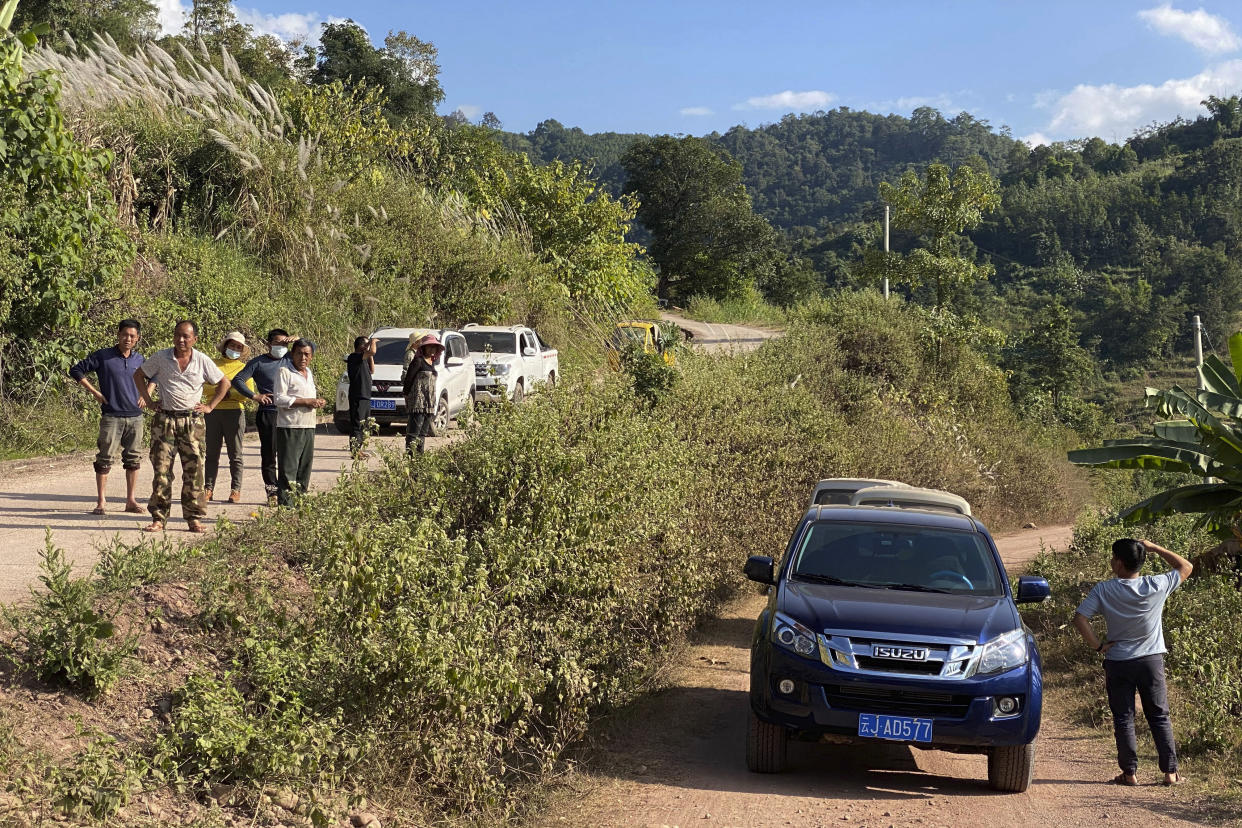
(830, 579)
(917, 588)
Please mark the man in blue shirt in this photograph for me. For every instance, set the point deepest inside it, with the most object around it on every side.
(120, 421)
(264, 370)
(1132, 605)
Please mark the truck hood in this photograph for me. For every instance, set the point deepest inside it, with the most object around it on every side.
(489, 358)
(823, 607)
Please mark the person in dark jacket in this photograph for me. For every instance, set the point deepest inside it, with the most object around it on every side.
(120, 421)
(419, 387)
(359, 366)
(265, 370)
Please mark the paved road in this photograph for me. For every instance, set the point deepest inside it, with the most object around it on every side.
(58, 493)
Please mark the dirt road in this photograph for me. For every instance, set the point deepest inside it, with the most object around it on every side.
(710, 336)
(59, 492)
(678, 759)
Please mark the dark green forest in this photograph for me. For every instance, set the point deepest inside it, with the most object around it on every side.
(1128, 239)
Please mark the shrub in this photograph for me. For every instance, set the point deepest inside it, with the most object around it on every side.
(67, 637)
(97, 782)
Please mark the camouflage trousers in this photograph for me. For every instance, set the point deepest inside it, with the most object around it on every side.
(172, 436)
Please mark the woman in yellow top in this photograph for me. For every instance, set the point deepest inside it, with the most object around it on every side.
(227, 423)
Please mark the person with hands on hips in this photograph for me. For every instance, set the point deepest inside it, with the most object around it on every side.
(1132, 605)
(297, 403)
(178, 428)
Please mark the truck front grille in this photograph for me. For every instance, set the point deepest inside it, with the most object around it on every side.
(896, 701)
(854, 651)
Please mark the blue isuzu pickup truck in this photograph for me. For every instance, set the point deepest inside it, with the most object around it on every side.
(895, 622)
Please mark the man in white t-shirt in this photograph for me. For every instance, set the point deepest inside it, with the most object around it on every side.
(1132, 605)
(178, 374)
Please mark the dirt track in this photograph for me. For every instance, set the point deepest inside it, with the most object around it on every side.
(678, 759)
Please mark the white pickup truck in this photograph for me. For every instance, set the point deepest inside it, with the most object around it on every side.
(509, 361)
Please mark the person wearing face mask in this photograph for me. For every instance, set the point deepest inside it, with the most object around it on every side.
(227, 423)
(257, 381)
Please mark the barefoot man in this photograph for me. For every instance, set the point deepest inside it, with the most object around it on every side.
(1132, 605)
(178, 428)
(120, 420)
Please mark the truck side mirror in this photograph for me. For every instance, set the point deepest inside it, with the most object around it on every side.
(1032, 590)
(759, 569)
(529, 351)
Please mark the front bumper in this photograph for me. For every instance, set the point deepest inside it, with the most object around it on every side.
(826, 701)
(489, 389)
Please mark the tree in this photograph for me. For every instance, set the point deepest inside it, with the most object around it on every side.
(706, 238)
(405, 68)
(1205, 441)
(209, 17)
(128, 22)
(1048, 357)
(936, 208)
(490, 121)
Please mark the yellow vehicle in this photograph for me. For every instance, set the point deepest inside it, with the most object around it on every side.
(648, 334)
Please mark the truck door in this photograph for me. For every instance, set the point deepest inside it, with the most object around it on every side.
(531, 361)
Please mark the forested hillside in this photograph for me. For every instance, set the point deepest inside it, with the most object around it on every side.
(1110, 239)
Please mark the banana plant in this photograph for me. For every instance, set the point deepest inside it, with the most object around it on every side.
(1202, 437)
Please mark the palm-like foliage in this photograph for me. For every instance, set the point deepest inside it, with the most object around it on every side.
(1202, 438)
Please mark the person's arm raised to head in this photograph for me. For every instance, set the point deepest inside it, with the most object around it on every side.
(1174, 560)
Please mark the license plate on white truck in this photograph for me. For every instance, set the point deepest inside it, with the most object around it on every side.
(897, 728)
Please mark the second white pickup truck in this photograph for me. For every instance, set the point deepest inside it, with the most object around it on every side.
(509, 361)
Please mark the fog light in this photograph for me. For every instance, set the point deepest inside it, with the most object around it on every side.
(1006, 704)
(786, 686)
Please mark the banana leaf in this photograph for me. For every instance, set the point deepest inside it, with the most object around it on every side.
(1226, 404)
(1146, 453)
(1235, 355)
(1180, 431)
(1178, 401)
(1215, 499)
(1218, 378)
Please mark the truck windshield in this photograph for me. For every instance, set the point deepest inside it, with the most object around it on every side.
(494, 341)
(919, 558)
(391, 351)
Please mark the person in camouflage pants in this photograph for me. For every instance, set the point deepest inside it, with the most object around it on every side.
(173, 436)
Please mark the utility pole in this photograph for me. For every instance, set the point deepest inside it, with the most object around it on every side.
(886, 252)
(1198, 326)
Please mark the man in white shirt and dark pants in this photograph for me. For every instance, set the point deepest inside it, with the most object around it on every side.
(297, 406)
(1132, 605)
(178, 429)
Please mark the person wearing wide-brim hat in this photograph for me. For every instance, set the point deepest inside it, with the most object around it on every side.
(419, 387)
(227, 423)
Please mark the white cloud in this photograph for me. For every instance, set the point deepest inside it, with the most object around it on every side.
(913, 102)
(1035, 139)
(289, 26)
(790, 100)
(171, 16)
(1206, 32)
(696, 110)
(1114, 112)
(305, 27)
(470, 111)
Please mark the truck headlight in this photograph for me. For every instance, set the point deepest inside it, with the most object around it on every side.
(794, 636)
(1002, 653)
(500, 369)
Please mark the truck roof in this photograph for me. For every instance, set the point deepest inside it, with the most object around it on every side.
(885, 514)
(495, 328)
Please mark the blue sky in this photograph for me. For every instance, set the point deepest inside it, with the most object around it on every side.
(1049, 70)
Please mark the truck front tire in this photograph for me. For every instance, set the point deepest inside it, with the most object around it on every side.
(767, 746)
(1011, 768)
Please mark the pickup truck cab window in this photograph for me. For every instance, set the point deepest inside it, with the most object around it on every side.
(497, 343)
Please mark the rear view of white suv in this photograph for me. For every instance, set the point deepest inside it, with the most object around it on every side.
(454, 379)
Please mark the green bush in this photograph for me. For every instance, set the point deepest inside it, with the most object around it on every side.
(467, 613)
(97, 782)
(67, 637)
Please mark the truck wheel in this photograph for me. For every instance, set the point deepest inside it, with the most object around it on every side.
(440, 422)
(519, 392)
(766, 746)
(342, 425)
(552, 380)
(1010, 768)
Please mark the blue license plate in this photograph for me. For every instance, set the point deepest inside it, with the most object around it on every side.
(897, 728)
(383, 405)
